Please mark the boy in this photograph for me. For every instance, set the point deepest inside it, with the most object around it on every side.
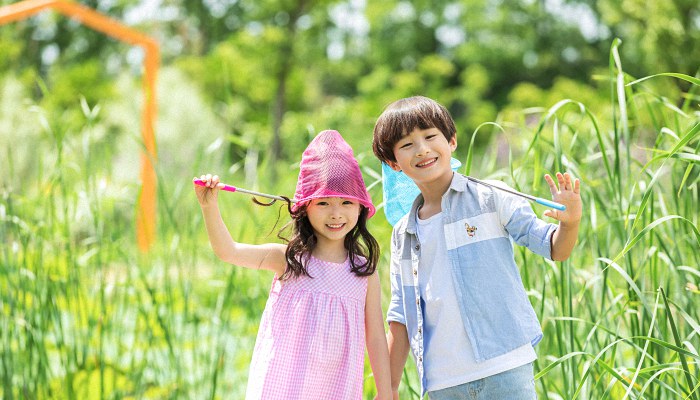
(457, 300)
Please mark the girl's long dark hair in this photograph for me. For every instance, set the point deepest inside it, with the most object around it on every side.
(359, 243)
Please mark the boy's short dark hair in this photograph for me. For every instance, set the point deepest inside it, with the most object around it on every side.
(401, 117)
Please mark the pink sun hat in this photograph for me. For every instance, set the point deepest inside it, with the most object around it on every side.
(329, 169)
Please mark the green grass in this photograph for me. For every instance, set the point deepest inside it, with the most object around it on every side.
(84, 315)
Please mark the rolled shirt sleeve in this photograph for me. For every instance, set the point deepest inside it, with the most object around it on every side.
(523, 225)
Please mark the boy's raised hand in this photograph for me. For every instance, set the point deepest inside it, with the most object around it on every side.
(567, 193)
(208, 194)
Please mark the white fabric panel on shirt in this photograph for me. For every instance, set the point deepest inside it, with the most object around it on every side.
(472, 230)
(448, 354)
(506, 203)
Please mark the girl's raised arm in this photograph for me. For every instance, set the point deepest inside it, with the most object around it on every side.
(377, 348)
(269, 256)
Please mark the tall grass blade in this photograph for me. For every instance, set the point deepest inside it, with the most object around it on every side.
(677, 340)
(633, 241)
(687, 78)
(470, 151)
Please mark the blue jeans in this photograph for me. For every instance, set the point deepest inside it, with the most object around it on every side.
(515, 384)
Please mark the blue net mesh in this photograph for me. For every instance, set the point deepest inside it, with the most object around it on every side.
(399, 191)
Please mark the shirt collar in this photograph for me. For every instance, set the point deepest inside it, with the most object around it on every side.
(459, 183)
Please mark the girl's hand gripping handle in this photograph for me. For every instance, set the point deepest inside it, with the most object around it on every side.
(207, 189)
(225, 187)
(218, 185)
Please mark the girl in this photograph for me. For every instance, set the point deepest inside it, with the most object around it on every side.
(324, 304)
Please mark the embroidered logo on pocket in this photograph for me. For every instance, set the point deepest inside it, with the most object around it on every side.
(471, 230)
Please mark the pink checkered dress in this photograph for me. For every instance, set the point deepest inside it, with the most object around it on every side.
(311, 340)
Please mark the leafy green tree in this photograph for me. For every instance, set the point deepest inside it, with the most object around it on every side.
(260, 73)
(50, 37)
(658, 36)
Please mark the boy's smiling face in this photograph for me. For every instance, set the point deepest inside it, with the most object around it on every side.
(424, 156)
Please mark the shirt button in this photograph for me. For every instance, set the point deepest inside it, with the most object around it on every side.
(420, 359)
(420, 330)
(417, 301)
(415, 272)
(417, 247)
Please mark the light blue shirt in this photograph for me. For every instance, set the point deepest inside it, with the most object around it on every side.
(479, 223)
(453, 365)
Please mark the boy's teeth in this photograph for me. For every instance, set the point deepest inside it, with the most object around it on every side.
(424, 163)
(335, 226)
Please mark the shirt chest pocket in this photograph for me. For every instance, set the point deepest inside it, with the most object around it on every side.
(467, 231)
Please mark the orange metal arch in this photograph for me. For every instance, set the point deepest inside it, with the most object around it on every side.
(146, 214)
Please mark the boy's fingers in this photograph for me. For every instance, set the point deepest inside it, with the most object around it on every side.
(550, 182)
(560, 179)
(577, 186)
(552, 214)
(567, 179)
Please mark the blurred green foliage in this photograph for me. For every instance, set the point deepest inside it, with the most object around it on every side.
(266, 66)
